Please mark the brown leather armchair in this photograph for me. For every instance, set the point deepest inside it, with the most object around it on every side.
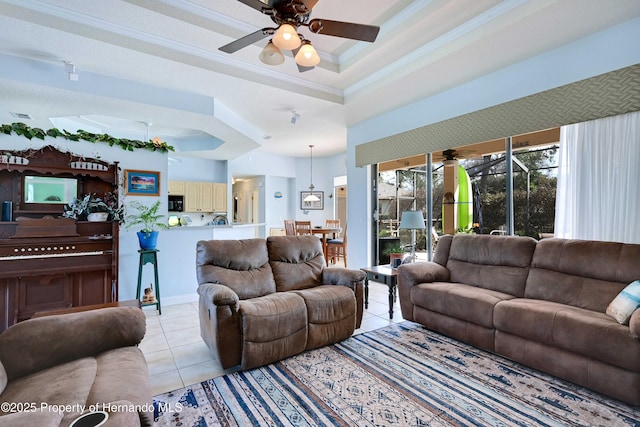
(263, 300)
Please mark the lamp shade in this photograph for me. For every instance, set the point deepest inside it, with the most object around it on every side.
(312, 198)
(286, 37)
(307, 55)
(271, 55)
(412, 220)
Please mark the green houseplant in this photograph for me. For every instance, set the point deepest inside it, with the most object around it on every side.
(149, 218)
(84, 209)
(395, 252)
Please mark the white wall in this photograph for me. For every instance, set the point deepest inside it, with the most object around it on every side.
(600, 53)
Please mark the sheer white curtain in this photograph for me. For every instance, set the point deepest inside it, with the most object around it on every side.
(598, 196)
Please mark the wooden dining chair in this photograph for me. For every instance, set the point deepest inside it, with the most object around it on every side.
(303, 227)
(289, 227)
(332, 223)
(337, 248)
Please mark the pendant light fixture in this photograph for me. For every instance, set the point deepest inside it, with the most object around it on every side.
(311, 197)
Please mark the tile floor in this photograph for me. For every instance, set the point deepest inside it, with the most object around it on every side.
(178, 357)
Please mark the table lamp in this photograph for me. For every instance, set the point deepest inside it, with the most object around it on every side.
(412, 220)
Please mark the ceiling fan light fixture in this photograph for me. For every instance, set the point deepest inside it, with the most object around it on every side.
(271, 55)
(307, 55)
(286, 37)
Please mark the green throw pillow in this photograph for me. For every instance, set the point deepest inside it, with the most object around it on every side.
(627, 301)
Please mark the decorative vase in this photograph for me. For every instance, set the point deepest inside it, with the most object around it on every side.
(98, 216)
(148, 241)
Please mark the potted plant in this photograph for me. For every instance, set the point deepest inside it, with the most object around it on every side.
(91, 208)
(395, 252)
(149, 218)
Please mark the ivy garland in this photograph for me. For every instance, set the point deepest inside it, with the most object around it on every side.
(126, 144)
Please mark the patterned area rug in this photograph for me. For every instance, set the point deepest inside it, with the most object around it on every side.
(401, 375)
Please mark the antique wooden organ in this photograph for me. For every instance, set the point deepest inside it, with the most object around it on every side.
(48, 262)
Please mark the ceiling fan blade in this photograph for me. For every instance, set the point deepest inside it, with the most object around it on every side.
(259, 6)
(246, 40)
(309, 3)
(348, 30)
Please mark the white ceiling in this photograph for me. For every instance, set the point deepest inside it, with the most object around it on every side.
(424, 47)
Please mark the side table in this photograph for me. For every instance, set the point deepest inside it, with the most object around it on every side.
(149, 256)
(382, 274)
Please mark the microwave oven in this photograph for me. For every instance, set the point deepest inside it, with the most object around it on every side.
(176, 203)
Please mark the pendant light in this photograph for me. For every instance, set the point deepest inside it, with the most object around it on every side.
(307, 55)
(286, 37)
(311, 197)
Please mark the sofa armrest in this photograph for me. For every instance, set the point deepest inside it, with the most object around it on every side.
(342, 276)
(634, 324)
(218, 295)
(37, 344)
(353, 279)
(415, 273)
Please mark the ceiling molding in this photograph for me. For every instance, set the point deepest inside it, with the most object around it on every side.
(405, 62)
(613, 93)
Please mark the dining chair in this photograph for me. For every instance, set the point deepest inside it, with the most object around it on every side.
(289, 227)
(337, 248)
(303, 227)
(332, 223)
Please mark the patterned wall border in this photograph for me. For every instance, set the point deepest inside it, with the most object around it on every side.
(609, 94)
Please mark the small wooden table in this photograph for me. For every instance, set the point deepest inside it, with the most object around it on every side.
(78, 309)
(324, 232)
(382, 274)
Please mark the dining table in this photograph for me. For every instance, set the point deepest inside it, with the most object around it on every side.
(324, 232)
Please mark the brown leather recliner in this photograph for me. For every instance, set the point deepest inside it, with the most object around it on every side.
(263, 300)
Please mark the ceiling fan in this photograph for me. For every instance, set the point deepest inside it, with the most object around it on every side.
(450, 157)
(289, 15)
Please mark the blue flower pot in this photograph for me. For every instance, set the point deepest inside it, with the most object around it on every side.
(148, 241)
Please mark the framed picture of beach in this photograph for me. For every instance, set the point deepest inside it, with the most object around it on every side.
(142, 183)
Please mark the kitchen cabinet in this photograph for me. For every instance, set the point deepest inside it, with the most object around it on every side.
(176, 188)
(198, 197)
(220, 197)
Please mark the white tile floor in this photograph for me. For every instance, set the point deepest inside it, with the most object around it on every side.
(178, 357)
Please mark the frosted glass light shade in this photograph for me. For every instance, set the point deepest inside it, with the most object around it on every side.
(271, 55)
(307, 55)
(312, 198)
(286, 37)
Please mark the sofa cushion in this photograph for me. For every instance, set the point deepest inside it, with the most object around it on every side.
(297, 261)
(570, 328)
(469, 303)
(242, 265)
(625, 303)
(582, 273)
(500, 263)
(66, 384)
(274, 327)
(331, 314)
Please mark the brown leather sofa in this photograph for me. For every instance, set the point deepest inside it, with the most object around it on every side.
(54, 368)
(539, 303)
(263, 300)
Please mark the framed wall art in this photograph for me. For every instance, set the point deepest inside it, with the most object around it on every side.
(142, 183)
(311, 205)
